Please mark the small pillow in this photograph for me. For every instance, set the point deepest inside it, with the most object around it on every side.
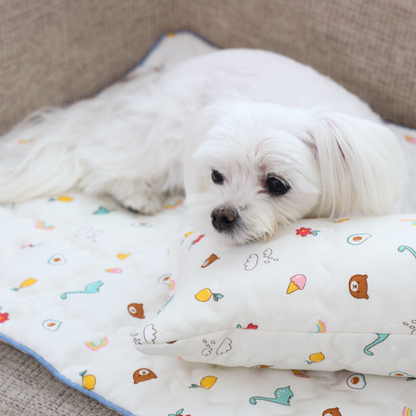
(323, 295)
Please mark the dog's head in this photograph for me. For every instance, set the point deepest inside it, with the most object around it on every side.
(251, 168)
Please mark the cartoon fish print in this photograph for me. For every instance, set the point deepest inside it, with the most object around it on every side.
(213, 257)
(332, 412)
(282, 396)
(143, 374)
(136, 310)
(358, 286)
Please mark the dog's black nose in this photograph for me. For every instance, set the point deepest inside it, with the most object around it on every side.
(223, 219)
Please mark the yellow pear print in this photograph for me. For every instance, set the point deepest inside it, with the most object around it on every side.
(316, 358)
(205, 295)
(26, 283)
(206, 383)
(88, 381)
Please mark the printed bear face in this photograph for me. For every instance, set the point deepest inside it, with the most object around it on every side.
(332, 412)
(143, 374)
(136, 310)
(358, 286)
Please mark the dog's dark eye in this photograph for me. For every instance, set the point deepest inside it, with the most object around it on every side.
(277, 187)
(217, 177)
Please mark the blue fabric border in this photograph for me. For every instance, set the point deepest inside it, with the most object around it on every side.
(63, 379)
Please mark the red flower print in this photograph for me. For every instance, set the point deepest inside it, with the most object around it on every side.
(303, 231)
(4, 317)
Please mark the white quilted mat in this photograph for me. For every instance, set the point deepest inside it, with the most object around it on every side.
(79, 274)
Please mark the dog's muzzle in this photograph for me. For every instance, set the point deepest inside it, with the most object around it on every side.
(223, 219)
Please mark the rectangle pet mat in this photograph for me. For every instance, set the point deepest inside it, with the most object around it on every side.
(78, 275)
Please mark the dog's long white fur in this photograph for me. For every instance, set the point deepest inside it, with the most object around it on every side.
(246, 113)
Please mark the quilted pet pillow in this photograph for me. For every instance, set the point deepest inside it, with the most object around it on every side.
(324, 295)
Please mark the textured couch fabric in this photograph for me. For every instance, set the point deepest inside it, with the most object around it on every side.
(53, 52)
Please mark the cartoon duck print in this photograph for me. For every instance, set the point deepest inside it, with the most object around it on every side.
(251, 262)
(358, 286)
(282, 396)
(136, 310)
(57, 259)
(88, 381)
(28, 282)
(89, 289)
(206, 383)
(332, 412)
(143, 374)
(356, 381)
(205, 295)
(51, 324)
(213, 257)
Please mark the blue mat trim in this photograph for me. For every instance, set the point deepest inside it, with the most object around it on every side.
(60, 377)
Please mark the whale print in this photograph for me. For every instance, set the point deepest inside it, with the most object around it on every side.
(403, 248)
(380, 338)
(281, 396)
(91, 288)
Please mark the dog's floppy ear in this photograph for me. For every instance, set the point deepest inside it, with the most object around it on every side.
(362, 165)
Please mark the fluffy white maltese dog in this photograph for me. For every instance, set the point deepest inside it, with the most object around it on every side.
(255, 139)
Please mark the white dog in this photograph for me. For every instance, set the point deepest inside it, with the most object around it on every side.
(256, 139)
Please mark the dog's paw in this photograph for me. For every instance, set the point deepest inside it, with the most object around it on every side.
(149, 204)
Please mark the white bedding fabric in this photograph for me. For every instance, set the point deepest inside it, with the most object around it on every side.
(113, 258)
